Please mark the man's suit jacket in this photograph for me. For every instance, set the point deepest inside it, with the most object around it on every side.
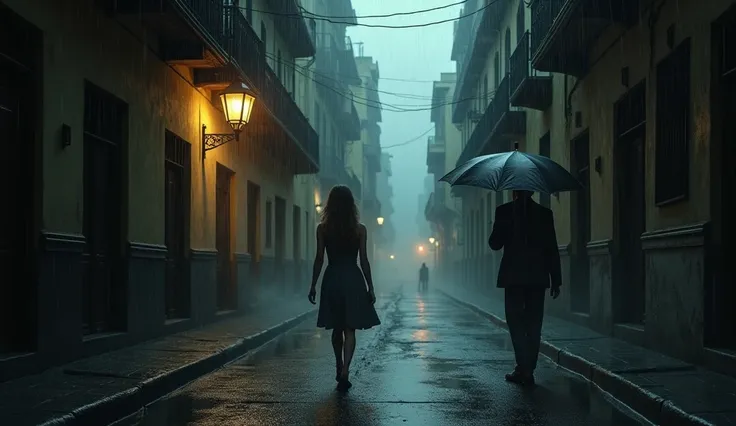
(526, 232)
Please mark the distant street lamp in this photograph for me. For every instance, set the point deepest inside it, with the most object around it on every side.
(318, 207)
(392, 257)
(379, 219)
(420, 248)
(436, 243)
(431, 240)
(237, 103)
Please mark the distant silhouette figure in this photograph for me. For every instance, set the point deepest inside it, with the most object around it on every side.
(345, 303)
(526, 232)
(423, 277)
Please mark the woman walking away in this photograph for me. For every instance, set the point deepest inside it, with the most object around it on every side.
(345, 303)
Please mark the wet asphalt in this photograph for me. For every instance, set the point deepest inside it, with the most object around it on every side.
(431, 362)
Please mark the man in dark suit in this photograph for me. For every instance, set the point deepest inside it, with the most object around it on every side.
(526, 232)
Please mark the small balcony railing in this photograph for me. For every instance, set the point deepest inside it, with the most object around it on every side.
(528, 88)
(544, 13)
(484, 129)
(247, 51)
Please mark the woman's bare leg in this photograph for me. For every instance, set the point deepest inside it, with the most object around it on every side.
(337, 342)
(349, 350)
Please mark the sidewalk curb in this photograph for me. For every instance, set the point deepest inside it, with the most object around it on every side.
(653, 407)
(125, 403)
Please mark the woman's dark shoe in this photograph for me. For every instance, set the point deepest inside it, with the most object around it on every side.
(343, 383)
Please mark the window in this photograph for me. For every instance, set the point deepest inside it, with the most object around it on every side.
(520, 22)
(507, 48)
(249, 11)
(496, 71)
(264, 39)
(269, 224)
(293, 76)
(673, 126)
(544, 150)
(279, 66)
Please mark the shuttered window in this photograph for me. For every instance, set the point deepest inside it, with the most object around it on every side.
(673, 126)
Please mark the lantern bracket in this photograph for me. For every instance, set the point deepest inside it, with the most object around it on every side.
(213, 140)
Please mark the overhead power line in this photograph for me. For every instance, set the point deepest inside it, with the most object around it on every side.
(389, 15)
(412, 140)
(426, 24)
(372, 102)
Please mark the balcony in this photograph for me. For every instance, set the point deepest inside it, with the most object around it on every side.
(296, 32)
(528, 89)
(372, 153)
(218, 43)
(483, 34)
(499, 125)
(435, 156)
(332, 171)
(348, 69)
(563, 31)
(350, 119)
(355, 186)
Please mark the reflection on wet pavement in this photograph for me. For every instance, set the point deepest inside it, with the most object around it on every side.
(430, 363)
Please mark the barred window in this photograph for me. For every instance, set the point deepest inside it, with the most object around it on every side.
(673, 126)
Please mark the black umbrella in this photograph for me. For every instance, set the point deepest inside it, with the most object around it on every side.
(513, 170)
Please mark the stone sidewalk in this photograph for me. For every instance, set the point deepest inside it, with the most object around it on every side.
(98, 390)
(665, 390)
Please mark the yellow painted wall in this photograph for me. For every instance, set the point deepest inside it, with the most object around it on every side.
(80, 43)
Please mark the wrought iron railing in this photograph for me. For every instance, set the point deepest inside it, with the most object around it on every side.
(519, 66)
(544, 13)
(493, 114)
(247, 52)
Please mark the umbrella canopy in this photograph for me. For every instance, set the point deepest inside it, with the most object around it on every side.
(513, 170)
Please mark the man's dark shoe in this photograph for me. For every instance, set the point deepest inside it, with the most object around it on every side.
(520, 378)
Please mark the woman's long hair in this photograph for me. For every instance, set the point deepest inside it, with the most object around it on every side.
(340, 216)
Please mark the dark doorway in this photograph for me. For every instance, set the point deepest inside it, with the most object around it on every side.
(580, 218)
(105, 133)
(630, 196)
(20, 71)
(254, 220)
(280, 240)
(720, 297)
(177, 196)
(226, 297)
(297, 233)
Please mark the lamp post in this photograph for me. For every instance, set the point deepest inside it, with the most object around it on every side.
(431, 240)
(237, 103)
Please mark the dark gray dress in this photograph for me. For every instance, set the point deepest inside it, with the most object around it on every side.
(344, 301)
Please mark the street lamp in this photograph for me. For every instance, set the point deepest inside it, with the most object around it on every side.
(420, 248)
(431, 240)
(392, 257)
(318, 207)
(237, 103)
(379, 219)
(436, 243)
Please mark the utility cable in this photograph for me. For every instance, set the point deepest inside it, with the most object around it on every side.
(380, 105)
(423, 25)
(390, 15)
(412, 140)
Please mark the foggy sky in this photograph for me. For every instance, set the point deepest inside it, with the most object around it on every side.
(408, 54)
